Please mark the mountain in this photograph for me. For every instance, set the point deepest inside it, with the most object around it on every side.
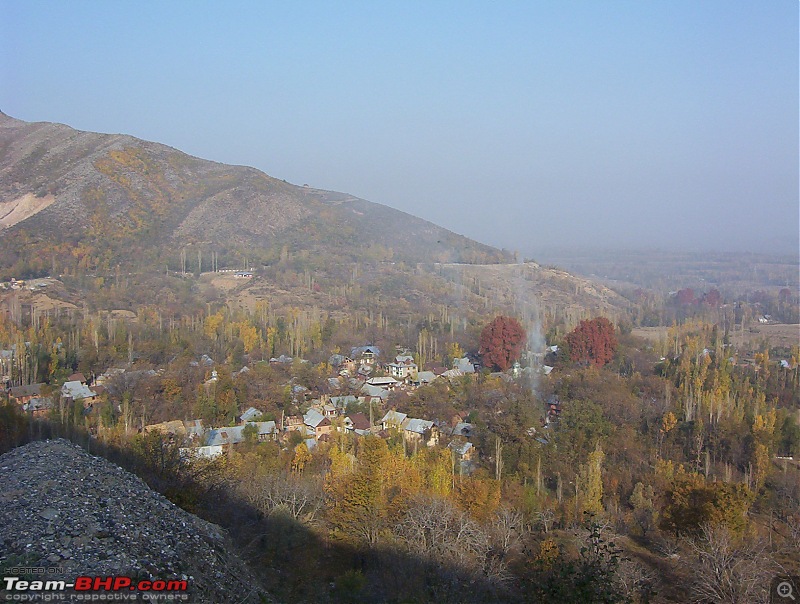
(85, 204)
(92, 200)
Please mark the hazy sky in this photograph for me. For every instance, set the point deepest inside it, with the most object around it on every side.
(669, 124)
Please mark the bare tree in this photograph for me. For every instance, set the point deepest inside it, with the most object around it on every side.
(298, 497)
(506, 531)
(729, 570)
(434, 529)
(637, 581)
(546, 517)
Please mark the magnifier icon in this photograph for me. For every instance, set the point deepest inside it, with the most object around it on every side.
(784, 590)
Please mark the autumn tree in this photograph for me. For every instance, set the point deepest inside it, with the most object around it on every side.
(501, 342)
(592, 341)
(358, 503)
(692, 503)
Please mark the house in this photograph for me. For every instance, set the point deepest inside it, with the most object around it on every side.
(424, 377)
(552, 408)
(328, 410)
(366, 355)
(416, 431)
(463, 429)
(317, 423)
(374, 394)
(222, 437)
(358, 423)
(74, 390)
(463, 450)
(108, 375)
(341, 402)
(23, 394)
(346, 365)
(293, 423)
(464, 456)
(464, 365)
(266, 430)
(77, 377)
(232, 435)
(174, 427)
(453, 374)
(340, 360)
(251, 414)
(386, 382)
(393, 419)
(403, 367)
(207, 452)
(38, 407)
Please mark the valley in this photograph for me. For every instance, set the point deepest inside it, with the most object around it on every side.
(376, 409)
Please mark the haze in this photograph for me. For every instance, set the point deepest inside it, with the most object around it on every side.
(524, 125)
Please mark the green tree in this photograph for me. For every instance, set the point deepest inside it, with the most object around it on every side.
(592, 577)
(590, 481)
(644, 512)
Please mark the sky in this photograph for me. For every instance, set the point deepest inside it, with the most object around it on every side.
(527, 125)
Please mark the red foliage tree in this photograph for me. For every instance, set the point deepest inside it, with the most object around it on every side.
(713, 298)
(685, 297)
(593, 341)
(501, 342)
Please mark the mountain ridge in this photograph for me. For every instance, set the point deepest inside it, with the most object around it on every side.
(115, 195)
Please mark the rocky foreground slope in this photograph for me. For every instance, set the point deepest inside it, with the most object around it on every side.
(61, 508)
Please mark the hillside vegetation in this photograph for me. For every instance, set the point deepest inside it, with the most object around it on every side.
(91, 201)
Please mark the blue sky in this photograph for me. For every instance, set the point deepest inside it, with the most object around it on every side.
(526, 125)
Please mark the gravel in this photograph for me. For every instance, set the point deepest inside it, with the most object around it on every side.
(73, 514)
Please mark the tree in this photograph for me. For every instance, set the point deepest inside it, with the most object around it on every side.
(726, 568)
(592, 577)
(591, 482)
(643, 509)
(301, 458)
(592, 341)
(501, 342)
(357, 501)
(692, 503)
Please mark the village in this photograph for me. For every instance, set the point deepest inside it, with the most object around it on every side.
(363, 410)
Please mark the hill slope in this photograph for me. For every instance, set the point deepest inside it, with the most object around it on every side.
(64, 509)
(98, 199)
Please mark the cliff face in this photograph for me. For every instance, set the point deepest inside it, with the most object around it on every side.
(78, 515)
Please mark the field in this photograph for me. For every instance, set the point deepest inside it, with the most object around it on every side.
(777, 335)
